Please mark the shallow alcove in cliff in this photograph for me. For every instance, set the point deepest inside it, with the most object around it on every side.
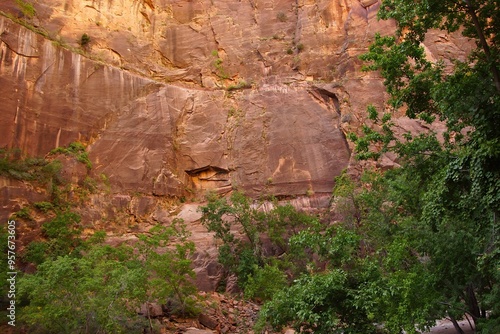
(210, 178)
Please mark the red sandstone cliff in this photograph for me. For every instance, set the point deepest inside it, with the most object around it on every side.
(175, 97)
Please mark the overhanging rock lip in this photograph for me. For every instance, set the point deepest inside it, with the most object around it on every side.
(195, 171)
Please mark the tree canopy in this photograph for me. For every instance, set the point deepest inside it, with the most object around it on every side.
(453, 202)
(428, 231)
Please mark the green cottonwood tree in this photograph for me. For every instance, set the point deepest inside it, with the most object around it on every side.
(428, 230)
(166, 254)
(252, 240)
(455, 221)
(97, 288)
(96, 293)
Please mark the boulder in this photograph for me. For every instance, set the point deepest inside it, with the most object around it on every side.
(152, 310)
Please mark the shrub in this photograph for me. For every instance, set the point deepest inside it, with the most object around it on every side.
(99, 289)
(36, 252)
(26, 8)
(219, 68)
(96, 293)
(319, 303)
(265, 282)
(281, 17)
(13, 165)
(77, 150)
(84, 40)
(44, 206)
(24, 213)
(90, 184)
(63, 235)
(242, 84)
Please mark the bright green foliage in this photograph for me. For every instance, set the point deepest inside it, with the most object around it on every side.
(97, 293)
(62, 237)
(24, 213)
(219, 67)
(215, 218)
(77, 150)
(44, 206)
(166, 254)
(264, 236)
(86, 286)
(265, 282)
(322, 303)
(326, 300)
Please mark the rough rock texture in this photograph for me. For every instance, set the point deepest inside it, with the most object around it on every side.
(283, 136)
(174, 98)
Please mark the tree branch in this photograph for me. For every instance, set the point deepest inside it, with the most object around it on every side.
(484, 43)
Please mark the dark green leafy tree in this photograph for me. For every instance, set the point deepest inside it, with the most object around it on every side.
(333, 294)
(319, 303)
(428, 231)
(453, 220)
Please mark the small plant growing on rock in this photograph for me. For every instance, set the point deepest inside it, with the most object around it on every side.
(219, 69)
(44, 206)
(24, 213)
(76, 149)
(14, 166)
(26, 8)
(233, 112)
(84, 40)
(281, 17)
(242, 84)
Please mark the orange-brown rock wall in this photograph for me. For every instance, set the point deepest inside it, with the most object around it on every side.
(176, 95)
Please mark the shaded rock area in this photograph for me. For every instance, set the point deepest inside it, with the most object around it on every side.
(229, 315)
(221, 314)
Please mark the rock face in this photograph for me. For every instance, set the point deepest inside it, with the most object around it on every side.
(174, 98)
(181, 96)
(191, 95)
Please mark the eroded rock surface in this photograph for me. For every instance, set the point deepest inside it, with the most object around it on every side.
(174, 98)
(277, 138)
